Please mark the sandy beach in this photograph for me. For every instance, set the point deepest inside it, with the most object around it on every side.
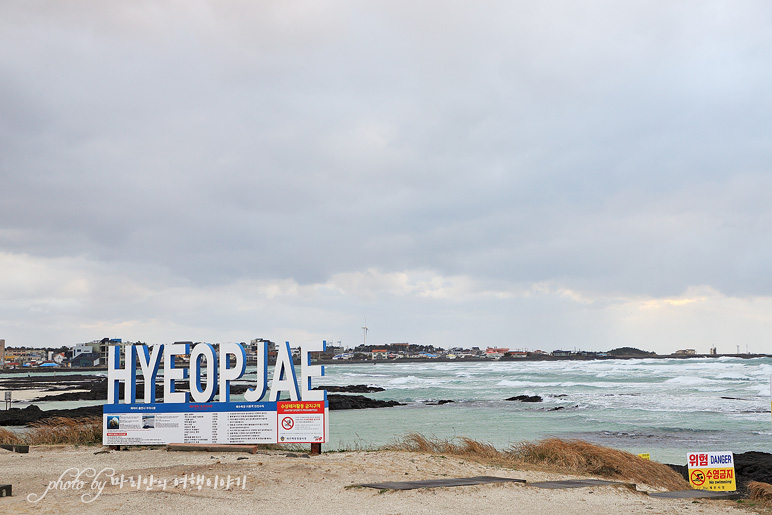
(283, 482)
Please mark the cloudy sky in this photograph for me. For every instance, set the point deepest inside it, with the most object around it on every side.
(534, 175)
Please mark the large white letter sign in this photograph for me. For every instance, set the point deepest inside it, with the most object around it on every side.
(258, 392)
(199, 352)
(117, 375)
(284, 379)
(307, 372)
(205, 414)
(172, 374)
(228, 374)
(149, 363)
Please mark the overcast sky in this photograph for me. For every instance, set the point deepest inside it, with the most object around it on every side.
(532, 175)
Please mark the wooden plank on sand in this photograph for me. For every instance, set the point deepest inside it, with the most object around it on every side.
(206, 447)
(435, 483)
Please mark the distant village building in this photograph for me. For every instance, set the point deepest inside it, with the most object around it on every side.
(90, 359)
(23, 356)
(81, 348)
(685, 352)
(561, 352)
(495, 352)
(380, 354)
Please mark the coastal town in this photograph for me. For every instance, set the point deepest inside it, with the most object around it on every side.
(94, 353)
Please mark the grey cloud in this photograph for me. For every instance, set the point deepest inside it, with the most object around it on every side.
(616, 148)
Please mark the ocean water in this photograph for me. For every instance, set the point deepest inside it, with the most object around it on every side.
(664, 407)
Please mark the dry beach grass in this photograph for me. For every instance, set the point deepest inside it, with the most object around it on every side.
(555, 455)
(59, 430)
(760, 493)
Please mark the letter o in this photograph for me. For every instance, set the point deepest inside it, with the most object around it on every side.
(205, 351)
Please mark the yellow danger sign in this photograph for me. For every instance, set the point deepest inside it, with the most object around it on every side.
(712, 471)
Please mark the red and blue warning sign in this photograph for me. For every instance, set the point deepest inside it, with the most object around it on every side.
(712, 471)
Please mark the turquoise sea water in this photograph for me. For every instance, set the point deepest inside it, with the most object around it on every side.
(666, 407)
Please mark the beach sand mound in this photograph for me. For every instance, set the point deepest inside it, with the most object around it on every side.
(155, 480)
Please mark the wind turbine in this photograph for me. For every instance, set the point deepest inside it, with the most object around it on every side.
(364, 330)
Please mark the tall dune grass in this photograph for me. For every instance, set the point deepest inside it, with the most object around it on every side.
(585, 458)
(760, 492)
(554, 455)
(59, 430)
(462, 447)
(9, 437)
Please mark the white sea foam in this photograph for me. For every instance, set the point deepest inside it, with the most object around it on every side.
(411, 380)
(529, 384)
(762, 390)
(689, 380)
(733, 377)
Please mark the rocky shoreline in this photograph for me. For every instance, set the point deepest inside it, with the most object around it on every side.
(33, 414)
(75, 387)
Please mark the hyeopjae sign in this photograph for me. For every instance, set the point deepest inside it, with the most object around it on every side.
(194, 416)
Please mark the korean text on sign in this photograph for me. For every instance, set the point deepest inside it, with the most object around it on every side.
(712, 471)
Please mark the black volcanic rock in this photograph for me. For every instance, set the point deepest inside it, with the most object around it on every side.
(50, 382)
(341, 402)
(525, 398)
(352, 388)
(753, 466)
(32, 413)
(96, 389)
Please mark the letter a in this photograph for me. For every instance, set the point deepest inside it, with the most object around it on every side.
(284, 379)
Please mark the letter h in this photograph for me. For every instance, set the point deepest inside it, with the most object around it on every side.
(117, 375)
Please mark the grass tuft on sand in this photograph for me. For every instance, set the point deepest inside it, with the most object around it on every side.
(59, 430)
(586, 458)
(760, 492)
(460, 447)
(554, 455)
